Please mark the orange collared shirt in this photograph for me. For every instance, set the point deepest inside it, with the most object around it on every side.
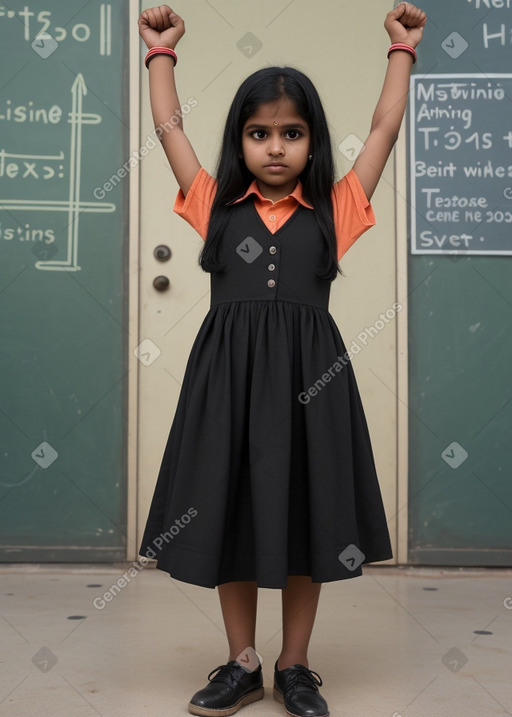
(353, 213)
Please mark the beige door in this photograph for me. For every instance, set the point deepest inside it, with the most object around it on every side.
(223, 44)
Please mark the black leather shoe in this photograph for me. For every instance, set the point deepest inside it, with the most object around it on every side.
(231, 688)
(297, 687)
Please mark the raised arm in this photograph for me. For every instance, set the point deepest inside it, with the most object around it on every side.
(404, 24)
(161, 27)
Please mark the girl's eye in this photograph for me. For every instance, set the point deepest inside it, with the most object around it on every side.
(290, 134)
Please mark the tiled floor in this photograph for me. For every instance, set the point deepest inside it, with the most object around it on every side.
(390, 643)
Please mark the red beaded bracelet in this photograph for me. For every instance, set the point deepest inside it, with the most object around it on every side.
(160, 51)
(403, 46)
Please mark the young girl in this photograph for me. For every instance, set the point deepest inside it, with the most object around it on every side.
(268, 478)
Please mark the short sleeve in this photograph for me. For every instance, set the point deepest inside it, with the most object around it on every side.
(196, 207)
(353, 213)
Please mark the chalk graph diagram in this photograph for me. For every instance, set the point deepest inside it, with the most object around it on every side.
(73, 205)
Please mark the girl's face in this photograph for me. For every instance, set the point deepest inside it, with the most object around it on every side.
(275, 147)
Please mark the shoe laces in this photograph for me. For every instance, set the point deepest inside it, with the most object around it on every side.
(226, 673)
(301, 675)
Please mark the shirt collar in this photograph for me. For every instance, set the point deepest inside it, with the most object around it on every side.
(253, 189)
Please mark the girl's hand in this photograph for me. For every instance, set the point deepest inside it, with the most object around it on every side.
(405, 24)
(161, 27)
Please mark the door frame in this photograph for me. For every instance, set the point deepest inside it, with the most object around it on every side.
(401, 211)
(132, 403)
(133, 407)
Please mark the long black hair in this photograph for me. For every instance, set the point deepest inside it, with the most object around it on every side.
(233, 177)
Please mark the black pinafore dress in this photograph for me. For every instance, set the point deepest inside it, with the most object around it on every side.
(268, 469)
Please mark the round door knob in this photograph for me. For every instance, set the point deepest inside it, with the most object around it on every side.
(161, 283)
(162, 252)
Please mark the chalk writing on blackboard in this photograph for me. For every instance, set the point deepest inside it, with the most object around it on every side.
(45, 167)
(461, 164)
(41, 23)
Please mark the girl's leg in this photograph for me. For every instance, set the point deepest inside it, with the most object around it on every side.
(300, 601)
(238, 601)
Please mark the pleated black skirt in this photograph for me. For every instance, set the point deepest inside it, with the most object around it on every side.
(268, 470)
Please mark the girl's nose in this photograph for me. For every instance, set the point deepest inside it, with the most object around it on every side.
(276, 146)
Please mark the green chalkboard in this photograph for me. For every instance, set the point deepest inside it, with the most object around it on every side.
(461, 164)
(63, 249)
(460, 293)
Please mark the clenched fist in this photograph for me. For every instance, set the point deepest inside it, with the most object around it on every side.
(161, 27)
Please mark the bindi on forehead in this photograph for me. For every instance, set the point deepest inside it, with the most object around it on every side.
(268, 115)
